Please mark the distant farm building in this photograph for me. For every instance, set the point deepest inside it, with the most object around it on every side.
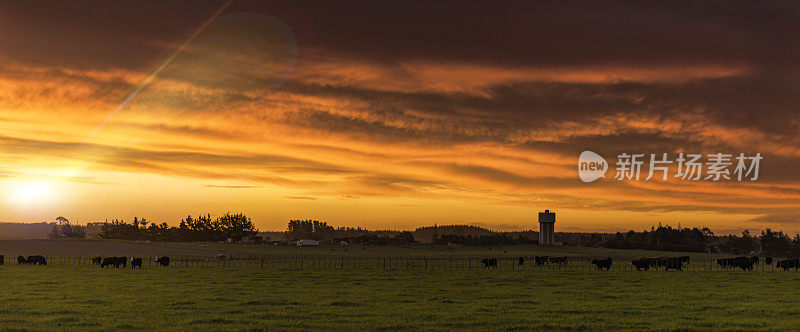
(307, 243)
(547, 222)
(252, 239)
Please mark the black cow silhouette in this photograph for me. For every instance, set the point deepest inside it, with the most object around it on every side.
(489, 262)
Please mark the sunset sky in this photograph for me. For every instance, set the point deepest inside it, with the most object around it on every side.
(389, 114)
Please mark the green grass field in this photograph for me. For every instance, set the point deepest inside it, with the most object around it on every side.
(433, 251)
(216, 298)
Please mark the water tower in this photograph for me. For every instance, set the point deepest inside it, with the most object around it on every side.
(547, 222)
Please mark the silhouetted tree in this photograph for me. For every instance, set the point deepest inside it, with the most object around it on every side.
(775, 243)
(236, 225)
(63, 229)
(309, 229)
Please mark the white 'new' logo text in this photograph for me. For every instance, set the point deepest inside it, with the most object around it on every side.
(591, 166)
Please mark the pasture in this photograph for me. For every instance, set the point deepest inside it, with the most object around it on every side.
(226, 298)
(379, 288)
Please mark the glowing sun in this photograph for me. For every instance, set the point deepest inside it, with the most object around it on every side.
(31, 192)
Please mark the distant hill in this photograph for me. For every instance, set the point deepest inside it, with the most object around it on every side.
(25, 231)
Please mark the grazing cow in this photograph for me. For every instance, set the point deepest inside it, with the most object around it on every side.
(642, 263)
(742, 262)
(114, 261)
(489, 262)
(122, 261)
(136, 262)
(557, 260)
(732, 262)
(787, 264)
(768, 260)
(748, 265)
(654, 261)
(21, 260)
(36, 260)
(674, 263)
(725, 262)
(603, 263)
(521, 261)
(108, 261)
(97, 260)
(745, 264)
(162, 261)
(540, 260)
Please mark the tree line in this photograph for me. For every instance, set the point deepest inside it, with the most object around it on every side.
(666, 238)
(321, 231)
(202, 228)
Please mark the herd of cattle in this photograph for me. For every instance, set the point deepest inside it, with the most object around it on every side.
(642, 263)
(31, 260)
(102, 262)
(123, 261)
(667, 263)
(747, 263)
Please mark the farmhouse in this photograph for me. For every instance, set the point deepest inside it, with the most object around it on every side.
(306, 243)
(252, 239)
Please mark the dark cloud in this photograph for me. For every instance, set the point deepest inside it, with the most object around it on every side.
(550, 33)
(510, 32)
(96, 34)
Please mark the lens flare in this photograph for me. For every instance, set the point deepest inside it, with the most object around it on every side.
(155, 73)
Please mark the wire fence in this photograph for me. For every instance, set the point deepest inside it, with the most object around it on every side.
(389, 262)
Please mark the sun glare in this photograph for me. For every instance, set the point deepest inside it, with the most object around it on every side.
(31, 192)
